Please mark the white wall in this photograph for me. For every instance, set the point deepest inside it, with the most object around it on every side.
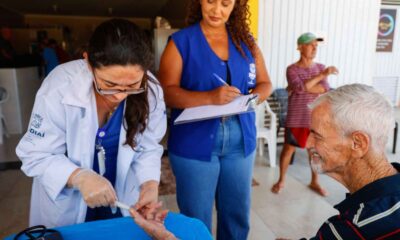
(21, 85)
(160, 42)
(350, 27)
(387, 67)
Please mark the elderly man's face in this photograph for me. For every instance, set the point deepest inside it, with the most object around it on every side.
(330, 151)
(309, 50)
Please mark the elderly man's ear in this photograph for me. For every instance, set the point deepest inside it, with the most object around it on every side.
(360, 144)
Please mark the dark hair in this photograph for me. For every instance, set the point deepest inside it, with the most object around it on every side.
(121, 42)
(237, 24)
(52, 43)
(79, 51)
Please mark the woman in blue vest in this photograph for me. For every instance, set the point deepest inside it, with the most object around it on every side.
(213, 159)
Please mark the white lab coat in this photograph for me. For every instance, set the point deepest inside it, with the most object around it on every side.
(61, 137)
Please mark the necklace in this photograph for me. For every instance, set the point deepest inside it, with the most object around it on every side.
(110, 109)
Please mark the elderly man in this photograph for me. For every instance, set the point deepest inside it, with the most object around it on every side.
(349, 131)
(306, 81)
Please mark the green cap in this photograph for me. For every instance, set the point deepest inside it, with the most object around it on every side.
(308, 37)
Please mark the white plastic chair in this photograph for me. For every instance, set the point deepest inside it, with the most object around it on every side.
(3, 127)
(266, 134)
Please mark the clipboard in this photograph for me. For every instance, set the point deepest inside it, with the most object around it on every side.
(241, 104)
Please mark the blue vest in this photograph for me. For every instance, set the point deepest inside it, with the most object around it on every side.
(196, 140)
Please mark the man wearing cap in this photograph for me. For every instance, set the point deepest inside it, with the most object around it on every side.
(306, 81)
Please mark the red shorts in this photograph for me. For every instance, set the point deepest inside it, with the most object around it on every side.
(297, 136)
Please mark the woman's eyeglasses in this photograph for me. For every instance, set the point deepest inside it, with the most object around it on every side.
(129, 91)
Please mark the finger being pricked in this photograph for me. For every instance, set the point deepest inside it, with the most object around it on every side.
(137, 217)
(161, 215)
(149, 211)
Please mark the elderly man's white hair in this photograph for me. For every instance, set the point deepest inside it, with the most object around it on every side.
(358, 107)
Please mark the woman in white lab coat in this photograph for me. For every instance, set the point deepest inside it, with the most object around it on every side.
(94, 132)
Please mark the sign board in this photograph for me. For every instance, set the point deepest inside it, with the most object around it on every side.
(387, 24)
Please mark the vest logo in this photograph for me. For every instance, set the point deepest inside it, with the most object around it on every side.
(252, 74)
(36, 133)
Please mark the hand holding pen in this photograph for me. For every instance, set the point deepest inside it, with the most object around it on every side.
(224, 94)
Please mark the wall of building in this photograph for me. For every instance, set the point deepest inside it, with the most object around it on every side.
(10, 18)
(349, 26)
(79, 28)
(387, 68)
(253, 8)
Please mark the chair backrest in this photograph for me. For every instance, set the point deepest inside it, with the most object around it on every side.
(265, 115)
(281, 95)
(260, 115)
(3, 95)
(274, 106)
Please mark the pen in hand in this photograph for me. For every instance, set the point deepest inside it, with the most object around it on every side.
(225, 93)
(220, 79)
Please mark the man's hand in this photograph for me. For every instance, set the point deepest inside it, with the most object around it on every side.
(148, 196)
(289, 90)
(154, 227)
(330, 70)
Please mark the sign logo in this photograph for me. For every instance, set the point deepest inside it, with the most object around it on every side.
(386, 29)
(386, 25)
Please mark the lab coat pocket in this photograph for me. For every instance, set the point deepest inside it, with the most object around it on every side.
(62, 211)
(67, 207)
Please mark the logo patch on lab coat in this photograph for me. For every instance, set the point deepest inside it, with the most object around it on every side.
(36, 123)
(252, 74)
(36, 120)
(36, 133)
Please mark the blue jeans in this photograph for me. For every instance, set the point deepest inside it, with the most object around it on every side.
(226, 178)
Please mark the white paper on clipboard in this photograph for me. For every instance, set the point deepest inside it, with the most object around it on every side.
(241, 104)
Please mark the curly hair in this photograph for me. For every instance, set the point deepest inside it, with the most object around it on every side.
(237, 25)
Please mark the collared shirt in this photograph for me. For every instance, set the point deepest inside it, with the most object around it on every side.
(373, 212)
(299, 115)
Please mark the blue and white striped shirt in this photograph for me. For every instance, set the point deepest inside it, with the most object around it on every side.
(373, 212)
